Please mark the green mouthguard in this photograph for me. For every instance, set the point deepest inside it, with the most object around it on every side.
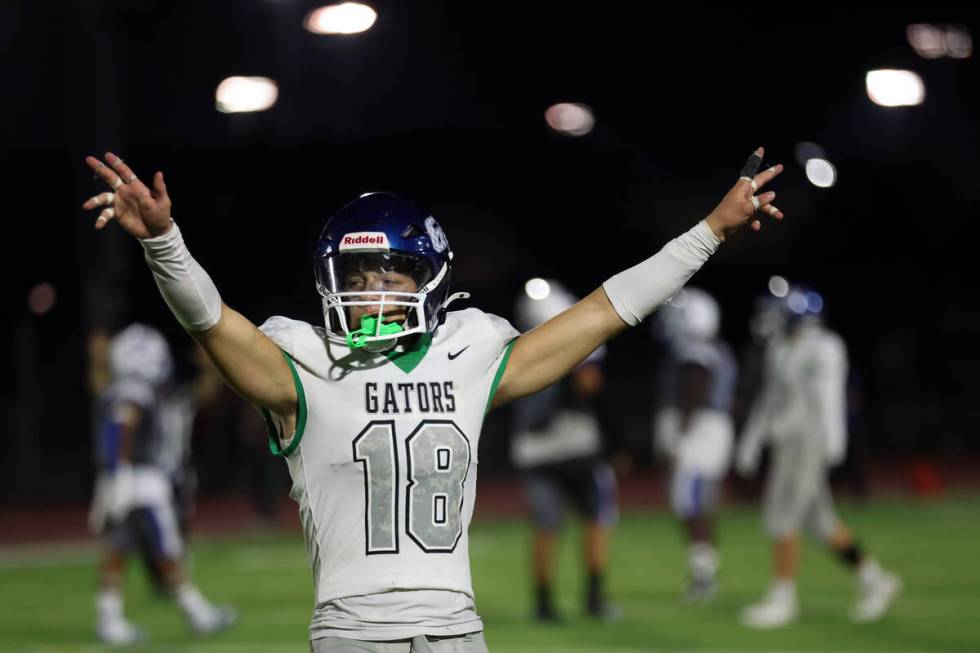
(369, 325)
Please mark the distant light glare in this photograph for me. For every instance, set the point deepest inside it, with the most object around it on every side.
(570, 118)
(928, 41)
(797, 302)
(959, 43)
(895, 88)
(935, 41)
(42, 298)
(814, 302)
(244, 94)
(821, 173)
(345, 18)
(778, 286)
(537, 288)
(806, 150)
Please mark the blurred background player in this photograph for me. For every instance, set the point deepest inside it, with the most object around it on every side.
(693, 425)
(178, 409)
(557, 444)
(142, 428)
(801, 411)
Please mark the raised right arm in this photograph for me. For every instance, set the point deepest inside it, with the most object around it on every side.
(250, 363)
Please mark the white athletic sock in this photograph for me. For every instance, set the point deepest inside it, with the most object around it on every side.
(702, 559)
(109, 604)
(783, 589)
(191, 601)
(869, 572)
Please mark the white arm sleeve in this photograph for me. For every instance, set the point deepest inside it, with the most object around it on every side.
(185, 286)
(757, 431)
(639, 291)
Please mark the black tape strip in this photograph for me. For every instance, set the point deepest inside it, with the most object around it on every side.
(751, 166)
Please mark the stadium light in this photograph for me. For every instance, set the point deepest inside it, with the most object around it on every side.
(928, 41)
(935, 41)
(570, 118)
(821, 173)
(959, 43)
(244, 94)
(797, 302)
(537, 288)
(344, 18)
(895, 88)
(814, 302)
(778, 286)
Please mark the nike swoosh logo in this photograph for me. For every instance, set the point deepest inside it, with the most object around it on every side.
(454, 356)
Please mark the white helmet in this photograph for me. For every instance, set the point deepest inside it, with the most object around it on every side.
(140, 352)
(541, 300)
(691, 313)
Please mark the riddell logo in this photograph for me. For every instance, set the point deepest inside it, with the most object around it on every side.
(364, 240)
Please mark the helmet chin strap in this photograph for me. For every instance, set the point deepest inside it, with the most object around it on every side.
(454, 297)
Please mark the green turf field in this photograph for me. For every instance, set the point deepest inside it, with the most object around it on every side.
(46, 593)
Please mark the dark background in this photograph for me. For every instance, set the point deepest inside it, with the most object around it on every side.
(444, 103)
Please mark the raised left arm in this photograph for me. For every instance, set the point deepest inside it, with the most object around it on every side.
(545, 354)
(548, 352)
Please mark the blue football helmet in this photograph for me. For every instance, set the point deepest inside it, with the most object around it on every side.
(383, 232)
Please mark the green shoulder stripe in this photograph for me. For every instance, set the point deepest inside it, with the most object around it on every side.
(275, 439)
(499, 375)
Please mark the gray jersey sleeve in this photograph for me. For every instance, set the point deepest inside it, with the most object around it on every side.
(756, 432)
(828, 386)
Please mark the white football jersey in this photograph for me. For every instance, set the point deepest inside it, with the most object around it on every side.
(383, 464)
(805, 390)
(705, 447)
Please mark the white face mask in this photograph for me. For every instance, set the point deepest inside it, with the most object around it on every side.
(373, 333)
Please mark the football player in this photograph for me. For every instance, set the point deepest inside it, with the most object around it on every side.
(800, 412)
(378, 413)
(557, 444)
(134, 506)
(693, 426)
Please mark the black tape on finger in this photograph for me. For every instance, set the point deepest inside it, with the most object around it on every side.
(751, 166)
